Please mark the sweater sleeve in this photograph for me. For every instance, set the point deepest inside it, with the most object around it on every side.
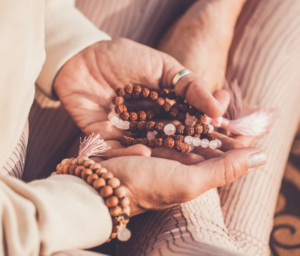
(45, 216)
(67, 32)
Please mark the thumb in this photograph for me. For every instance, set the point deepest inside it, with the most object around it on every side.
(225, 169)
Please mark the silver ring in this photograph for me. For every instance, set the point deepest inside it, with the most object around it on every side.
(179, 75)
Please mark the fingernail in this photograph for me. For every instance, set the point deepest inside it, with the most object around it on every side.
(257, 160)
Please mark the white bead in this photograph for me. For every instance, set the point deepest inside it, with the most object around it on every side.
(213, 144)
(190, 120)
(204, 143)
(191, 148)
(170, 129)
(217, 122)
(124, 234)
(211, 128)
(111, 115)
(219, 143)
(114, 120)
(120, 124)
(151, 135)
(196, 142)
(126, 125)
(208, 120)
(188, 140)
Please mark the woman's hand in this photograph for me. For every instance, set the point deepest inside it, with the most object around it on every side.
(201, 38)
(155, 183)
(87, 82)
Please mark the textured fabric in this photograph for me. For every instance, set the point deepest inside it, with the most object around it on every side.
(24, 27)
(59, 213)
(14, 166)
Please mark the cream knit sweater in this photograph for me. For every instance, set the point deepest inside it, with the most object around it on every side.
(36, 38)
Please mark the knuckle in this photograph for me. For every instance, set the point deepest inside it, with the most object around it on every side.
(231, 171)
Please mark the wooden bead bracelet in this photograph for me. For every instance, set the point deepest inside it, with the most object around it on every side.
(108, 186)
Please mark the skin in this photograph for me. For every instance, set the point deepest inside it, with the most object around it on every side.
(86, 84)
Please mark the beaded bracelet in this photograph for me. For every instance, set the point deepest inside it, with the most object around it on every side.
(194, 129)
(108, 186)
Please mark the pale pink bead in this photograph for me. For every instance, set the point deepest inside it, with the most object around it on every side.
(219, 143)
(126, 125)
(191, 148)
(120, 123)
(204, 143)
(208, 120)
(190, 120)
(151, 135)
(123, 234)
(111, 115)
(213, 144)
(211, 128)
(196, 142)
(170, 129)
(114, 121)
(188, 140)
(217, 121)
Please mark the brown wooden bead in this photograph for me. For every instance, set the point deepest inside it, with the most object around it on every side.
(116, 100)
(79, 170)
(82, 159)
(66, 169)
(112, 201)
(150, 114)
(106, 191)
(115, 211)
(160, 102)
(151, 143)
(189, 130)
(133, 116)
(137, 89)
(120, 109)
(58, 167)
(144, 141)
(99, 183)
(142, 116)
(120, 192)
(91, 178)
(120, 92)
(150, 126)
(65, 161)
(114, 182)
(70, 160)
(72, 169)
(205, 128)
(145, 93)
(180, 129)
(179, 137)
(174, 112)
(100, 171)
(184, 147)
(167, 107)
(159, 127)
(169, 142)
(128, 88)
(184, 107)
(115, 222)
(158, 142)
(107, 175)
(198, 128)
(85, 173)
(133, 126)
(124, 202)
(153, 95)
(124, 116)
(88, 163)
(141, 125)
(95, 166)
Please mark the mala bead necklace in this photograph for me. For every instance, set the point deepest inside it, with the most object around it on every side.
(108, 186)
(194, 128)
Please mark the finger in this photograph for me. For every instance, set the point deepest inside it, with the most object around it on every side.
(223, 97)
(118, 150)
(172, 154)
(228, 143)
(207, 153)
(230, 166)
(246, 140)
(105, 129)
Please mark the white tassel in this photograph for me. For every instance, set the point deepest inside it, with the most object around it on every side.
(92, 146)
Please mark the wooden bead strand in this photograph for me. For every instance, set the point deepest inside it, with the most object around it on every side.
(108, 186)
